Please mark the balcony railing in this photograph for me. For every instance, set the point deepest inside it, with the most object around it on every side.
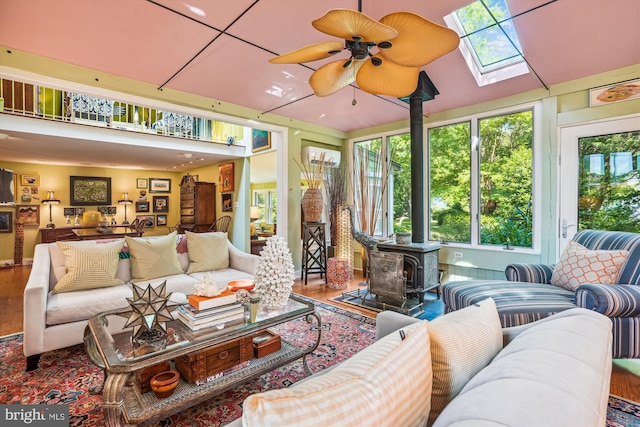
(69, 106)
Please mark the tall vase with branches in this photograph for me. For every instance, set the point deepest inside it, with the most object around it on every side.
(313, 172)
(335, 189)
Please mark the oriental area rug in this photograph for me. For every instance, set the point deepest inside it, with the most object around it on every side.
(65, 376)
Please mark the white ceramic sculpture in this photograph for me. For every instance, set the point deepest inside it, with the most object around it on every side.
(275, 274)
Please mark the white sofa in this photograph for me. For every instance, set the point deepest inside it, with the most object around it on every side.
(461, 369)
(56, 320)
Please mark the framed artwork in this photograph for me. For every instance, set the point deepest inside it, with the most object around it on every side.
(142, 183)
(260, 140)
(30, 179)
(226, 177)
(226, 203)
(161, 220)
(29, 214)
(161, 203)
(616, 92)
(6, 222)
(104, 210)
(112, 210)
(8, 187)
(159, 185)
(25, 198)
(150, 220)
(142, 206)
(34, 190)
(69, 211)
(79, 211)
(90, 190)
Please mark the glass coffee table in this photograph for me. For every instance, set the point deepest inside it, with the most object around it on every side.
(125, 405)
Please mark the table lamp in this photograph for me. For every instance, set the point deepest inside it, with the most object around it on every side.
(125, 201)
(50, 200)
(254, 214)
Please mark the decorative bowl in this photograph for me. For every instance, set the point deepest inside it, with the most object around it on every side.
(246, 284)
(164, 383)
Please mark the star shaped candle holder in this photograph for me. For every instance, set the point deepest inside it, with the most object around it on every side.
(148, 314)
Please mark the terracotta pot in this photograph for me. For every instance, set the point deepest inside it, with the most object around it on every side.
(164, 383)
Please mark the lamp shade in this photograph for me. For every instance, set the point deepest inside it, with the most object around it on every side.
(254, 212)
(51, 199)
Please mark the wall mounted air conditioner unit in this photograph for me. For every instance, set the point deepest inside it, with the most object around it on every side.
(314, 155)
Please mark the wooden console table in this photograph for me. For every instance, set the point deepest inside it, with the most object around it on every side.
(50, 235)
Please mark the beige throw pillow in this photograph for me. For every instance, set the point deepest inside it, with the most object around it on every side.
(386, 384)
(89, 266)
(462, 343)
(579, 265)
(152, 258)
(207, 251)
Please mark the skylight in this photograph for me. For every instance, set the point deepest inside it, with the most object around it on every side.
(489, 42)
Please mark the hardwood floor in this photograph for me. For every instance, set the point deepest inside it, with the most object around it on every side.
(624, 382)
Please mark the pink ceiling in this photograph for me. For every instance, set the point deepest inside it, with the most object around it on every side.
(150, 41)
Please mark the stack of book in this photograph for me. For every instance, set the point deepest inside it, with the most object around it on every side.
(205, 312)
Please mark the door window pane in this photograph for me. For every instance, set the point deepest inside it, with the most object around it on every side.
(609, 182)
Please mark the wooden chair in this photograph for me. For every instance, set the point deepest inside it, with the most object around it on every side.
(221, 224)
(140, 227)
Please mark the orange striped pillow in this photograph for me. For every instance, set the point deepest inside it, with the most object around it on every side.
(386, 384)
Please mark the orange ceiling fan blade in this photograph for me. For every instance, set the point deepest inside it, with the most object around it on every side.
(333, 76)
(387, 78)
(309, 53)
(419, 40)
(347, 24)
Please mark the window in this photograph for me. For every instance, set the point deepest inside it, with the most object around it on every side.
(399, 148)
(370, 180)
(482, 193)
(489, 42)
(266, 202)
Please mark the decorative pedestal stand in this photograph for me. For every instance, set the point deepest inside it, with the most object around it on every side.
(314, 250)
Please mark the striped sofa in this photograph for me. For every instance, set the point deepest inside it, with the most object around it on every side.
(527, 294)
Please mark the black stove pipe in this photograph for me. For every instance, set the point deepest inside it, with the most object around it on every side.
(425, 91)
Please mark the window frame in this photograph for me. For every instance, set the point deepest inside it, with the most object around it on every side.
(474, 119)
(536, 108)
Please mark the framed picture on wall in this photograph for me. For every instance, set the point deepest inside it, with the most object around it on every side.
(623, 91)
(90, 190)
(159, 185)
(260, 140)
(150, 220)
(6, 222)
(142, 206)
(161, 220)
(30, 179)
(226, 203)
(29, 214)
(226, 177)
(142, 183)
(161, 203)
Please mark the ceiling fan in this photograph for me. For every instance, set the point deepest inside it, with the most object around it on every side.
(405, 42)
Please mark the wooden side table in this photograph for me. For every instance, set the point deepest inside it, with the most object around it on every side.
(314, 250)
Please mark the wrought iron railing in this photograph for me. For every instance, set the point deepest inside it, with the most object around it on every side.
(70, 106)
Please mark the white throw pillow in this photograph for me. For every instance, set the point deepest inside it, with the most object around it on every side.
(207, 251)
(89, 266)
(152, 258)
(463, 342)
(579, 265)
(386, 384)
